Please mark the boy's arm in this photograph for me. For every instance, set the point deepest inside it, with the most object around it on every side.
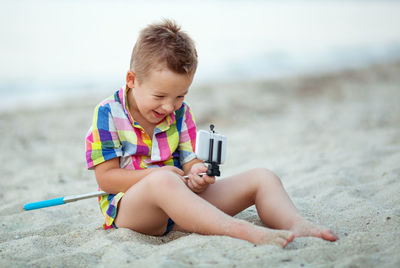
(113, 179)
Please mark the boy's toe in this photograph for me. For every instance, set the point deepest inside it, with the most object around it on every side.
(328, 235)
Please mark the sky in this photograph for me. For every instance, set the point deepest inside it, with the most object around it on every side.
(47, 45)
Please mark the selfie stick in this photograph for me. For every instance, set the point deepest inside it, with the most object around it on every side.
(213, 167)
(61, 200)
(69, 199)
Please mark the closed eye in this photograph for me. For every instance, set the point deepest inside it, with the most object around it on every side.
(183, 95)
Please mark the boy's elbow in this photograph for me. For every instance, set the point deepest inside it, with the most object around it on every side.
(103, 172)
(101, 183)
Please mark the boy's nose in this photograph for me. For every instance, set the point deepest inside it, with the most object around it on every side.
(168, 107)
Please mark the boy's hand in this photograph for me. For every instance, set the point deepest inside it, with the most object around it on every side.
(197, 183)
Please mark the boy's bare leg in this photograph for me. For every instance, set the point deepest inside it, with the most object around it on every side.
(146, 206)
(264, 189)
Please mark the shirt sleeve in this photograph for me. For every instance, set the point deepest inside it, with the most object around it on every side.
(187, 138)
(102, 141)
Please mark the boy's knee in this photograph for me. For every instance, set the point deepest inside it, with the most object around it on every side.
(264, 175)
(162, 180)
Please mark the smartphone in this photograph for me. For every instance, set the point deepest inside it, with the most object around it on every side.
(203, 142)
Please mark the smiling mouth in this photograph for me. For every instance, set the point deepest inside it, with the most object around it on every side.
(158, 115)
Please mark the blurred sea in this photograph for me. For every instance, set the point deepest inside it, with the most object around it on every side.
(58, 49)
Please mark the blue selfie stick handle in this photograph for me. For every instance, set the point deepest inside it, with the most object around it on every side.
(62, 200)
(44, 203)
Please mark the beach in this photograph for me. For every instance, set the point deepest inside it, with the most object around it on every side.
(333, 139)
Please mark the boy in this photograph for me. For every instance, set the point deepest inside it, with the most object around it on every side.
(142, 143)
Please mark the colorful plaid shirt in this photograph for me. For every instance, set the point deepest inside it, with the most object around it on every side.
(115, 133)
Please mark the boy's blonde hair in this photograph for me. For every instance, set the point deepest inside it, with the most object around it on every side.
(163, 43)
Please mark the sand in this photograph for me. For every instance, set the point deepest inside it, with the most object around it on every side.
(333, 139)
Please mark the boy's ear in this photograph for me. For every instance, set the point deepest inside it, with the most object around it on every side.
(130, 79)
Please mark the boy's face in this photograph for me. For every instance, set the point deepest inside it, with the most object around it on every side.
(160, 93)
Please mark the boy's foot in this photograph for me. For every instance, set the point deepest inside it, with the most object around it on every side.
(274, 237)
(306, 228)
